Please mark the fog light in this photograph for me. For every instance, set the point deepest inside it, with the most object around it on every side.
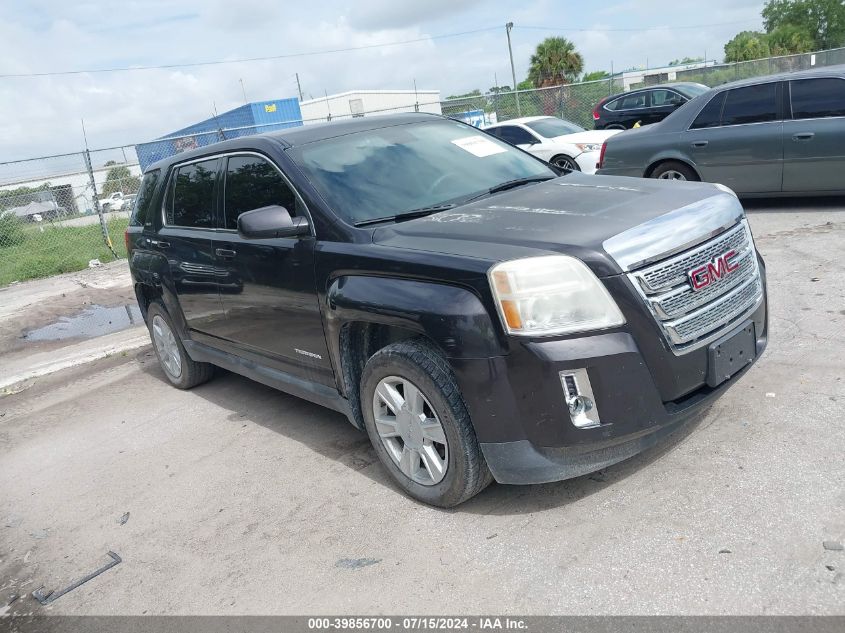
(579, 398)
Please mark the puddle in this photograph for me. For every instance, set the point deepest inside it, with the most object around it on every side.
(93, 321)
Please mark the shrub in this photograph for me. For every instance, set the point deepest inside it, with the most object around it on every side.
(11, 231)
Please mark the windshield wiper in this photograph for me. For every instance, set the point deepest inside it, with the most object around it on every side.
(408, 215)
(510, 184)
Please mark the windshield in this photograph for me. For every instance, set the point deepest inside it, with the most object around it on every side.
(553, 127)
(389, 171)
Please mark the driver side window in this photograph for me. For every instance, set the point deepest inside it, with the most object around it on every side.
(251, 183)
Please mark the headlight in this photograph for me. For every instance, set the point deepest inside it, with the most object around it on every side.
(588, 147)
(554, 294)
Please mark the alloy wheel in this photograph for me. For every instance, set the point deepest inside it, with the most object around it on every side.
(410, 430)
(166, 346)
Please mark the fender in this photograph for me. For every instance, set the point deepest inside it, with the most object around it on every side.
(151, 269)
(452, 317)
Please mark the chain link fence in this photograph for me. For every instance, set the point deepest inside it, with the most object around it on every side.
(575, 102)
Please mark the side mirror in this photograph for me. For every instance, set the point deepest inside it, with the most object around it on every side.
(272, 221)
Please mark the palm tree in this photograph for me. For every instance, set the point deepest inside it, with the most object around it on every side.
(555, 62)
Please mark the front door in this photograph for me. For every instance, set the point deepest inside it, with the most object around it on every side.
(269, 290)
(814, 140)
(186, 241)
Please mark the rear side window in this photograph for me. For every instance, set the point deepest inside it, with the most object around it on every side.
(193, 195)
(630, 102)
(515, 135)
(141, 209)
(711, 114)
(752, 104)
(252, 183)
(817, 98)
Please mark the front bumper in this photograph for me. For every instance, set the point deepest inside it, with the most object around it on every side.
(642, 392)
(587, 162)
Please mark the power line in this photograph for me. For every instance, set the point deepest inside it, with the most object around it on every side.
(247, 59)
(630, 30)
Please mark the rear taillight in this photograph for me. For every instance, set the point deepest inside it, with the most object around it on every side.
(596, 113)
(600, 164)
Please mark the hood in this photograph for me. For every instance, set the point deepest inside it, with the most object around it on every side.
(574, 215)
(587, 136)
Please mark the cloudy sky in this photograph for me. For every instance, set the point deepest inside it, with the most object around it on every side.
(41, 115)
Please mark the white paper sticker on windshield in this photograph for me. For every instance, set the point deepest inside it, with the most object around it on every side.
(479, 146)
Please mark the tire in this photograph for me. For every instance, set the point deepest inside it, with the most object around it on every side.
(174, 361)
(674, 170)
(616, 126)
(417, 363)
(562, 161)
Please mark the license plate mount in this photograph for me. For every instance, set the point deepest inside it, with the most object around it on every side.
(728, 355)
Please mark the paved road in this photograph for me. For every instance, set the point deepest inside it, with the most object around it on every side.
(85, 220)
(245, 500)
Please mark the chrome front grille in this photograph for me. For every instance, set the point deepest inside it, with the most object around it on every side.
(688, 318)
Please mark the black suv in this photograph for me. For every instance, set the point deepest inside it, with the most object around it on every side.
(647, 105)
(479, 314)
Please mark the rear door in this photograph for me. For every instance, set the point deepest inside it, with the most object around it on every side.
(269, 290)
(736, 139)
(186, 240)
(814, 139)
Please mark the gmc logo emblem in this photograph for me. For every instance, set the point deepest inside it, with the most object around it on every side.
(712, 271)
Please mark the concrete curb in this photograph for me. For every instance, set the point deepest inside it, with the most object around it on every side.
(44, 363)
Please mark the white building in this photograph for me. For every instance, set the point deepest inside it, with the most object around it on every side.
(369, 102)
(651, 76)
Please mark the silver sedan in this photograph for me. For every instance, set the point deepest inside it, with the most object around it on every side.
(777, 135)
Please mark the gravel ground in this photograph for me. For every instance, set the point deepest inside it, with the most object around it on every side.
(237, 499)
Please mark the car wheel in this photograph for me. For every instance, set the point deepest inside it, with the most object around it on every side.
(673, 170)
(180, 370)
(419, 425)
(615, 126)
(566, 163)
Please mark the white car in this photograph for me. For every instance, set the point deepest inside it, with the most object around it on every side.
(561, 143)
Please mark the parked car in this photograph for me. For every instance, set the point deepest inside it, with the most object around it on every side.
(113, 202)
(557, 141)
(479, 315)
(644, 106)
(777, 135)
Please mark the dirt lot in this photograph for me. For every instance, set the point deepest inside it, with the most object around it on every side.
(243, 500)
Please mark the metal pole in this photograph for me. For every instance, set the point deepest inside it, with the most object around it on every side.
(299, 87)
(416, 98)
(508, 28)
(243, 90)
(88, 166)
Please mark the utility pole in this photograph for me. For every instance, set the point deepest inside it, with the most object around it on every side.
(299, 87)
(508, 28)
(243, 90)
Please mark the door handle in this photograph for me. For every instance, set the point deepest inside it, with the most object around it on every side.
(159, 243)
(700, 143)
(228, 253)
(803, 136)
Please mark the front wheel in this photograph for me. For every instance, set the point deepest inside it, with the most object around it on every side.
(565, 163)
(419, 425)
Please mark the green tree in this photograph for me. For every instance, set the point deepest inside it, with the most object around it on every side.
(555, 62)
(789, 39)
(822, 20)
(747, 45)
(596, 75)
(120, 179)
(686, 60)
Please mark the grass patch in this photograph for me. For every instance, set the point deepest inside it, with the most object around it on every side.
(59, 249)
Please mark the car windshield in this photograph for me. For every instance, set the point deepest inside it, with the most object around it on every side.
(552, 127)
(389, 171)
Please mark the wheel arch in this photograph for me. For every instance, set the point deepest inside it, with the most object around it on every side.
(670, 158)
(367, 313)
